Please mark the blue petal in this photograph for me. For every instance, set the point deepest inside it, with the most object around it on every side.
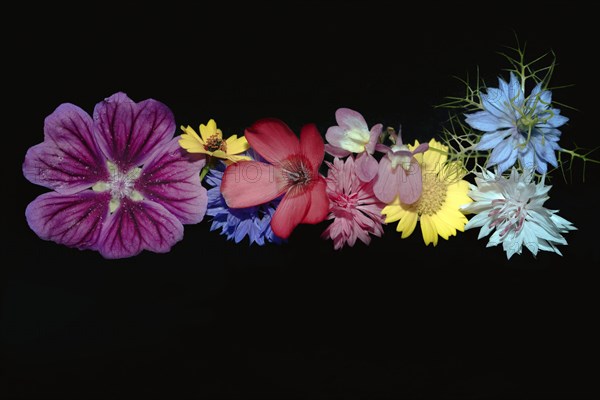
(492, 139)
(527, 158)
(495, 102)
(556, 120)
(515, 94)
(502, 154)
(485, 121)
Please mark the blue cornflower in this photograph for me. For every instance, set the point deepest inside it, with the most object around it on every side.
(236, 223)
(517, 127)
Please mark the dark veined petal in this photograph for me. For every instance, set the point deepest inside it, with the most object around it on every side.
(128, 132)
(137, 226)
(74, 220)
(171, 178)
(68, 160)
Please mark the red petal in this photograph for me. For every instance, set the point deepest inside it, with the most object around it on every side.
(250, 183)
(411, 183)
(272, 139)
(312, 146)
(290, 213)
(319, 203)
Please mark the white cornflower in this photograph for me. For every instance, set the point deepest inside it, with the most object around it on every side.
(513, 207)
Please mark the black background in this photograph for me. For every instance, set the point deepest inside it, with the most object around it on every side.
(212, 319)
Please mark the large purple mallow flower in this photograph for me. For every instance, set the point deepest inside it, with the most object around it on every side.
(121, 182)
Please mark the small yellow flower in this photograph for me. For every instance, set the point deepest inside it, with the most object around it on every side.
(438, 208)
(211, 143)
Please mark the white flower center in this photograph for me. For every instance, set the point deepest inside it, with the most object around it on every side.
(508, 215)
(403, 159)
(120, 184)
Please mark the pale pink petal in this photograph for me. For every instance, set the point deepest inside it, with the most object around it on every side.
(335, 135)
(319, 203)
(273, 140)
(366, 167)
(336, 151)
(382, 148)
(290, 213)
(374, 138)
(423, 147)
(386, 185)
(74, 220)
(349, 119)
(137, 226)
(410, 182)
(312, 146)
(250, 183)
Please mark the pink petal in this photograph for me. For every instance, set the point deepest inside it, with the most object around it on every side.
(334, 135)
(290, 213)
(171, 178)
(272, 139)
(137, 226)
(386, 185)
(250, 183)
(423, 147)
(349, 119)
(366, 167)
(129, 132)
(382, 148)
(312, 146)
(336, 151)
(68, 160)
(74, 220)
(374, 138)
(410, 182)
(319, 203)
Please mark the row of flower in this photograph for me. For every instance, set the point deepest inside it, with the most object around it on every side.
(122, 183)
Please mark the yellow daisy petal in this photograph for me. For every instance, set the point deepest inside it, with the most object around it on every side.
(220, 154)
(453, 218)
(237, 145)
(236, 158)
(443, 229)
(407, 224)
(428, 230)
(393, 212)
(209, 130)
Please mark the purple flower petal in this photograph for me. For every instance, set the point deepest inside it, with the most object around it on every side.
(171, 178)
(137, 226)
(68, 160)
(410, 182)
(129, 132)
(386, 185)
(74, 220)
(366, 167)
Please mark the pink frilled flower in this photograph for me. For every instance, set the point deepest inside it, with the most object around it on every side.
(121, 182)
(293, 172)
(353, 207)
(352, 135)
(399, 173)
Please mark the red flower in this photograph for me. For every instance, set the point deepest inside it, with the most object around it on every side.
(294, 170)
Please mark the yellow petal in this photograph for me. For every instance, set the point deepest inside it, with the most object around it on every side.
(236, 145)
(428, 230)
(189, 131)
(443, 229)
(393, 212)
(191, 144)
(220, 154)
(433, 160)
(235, 158)
(453, 218)
(208, 130)
(407, 224)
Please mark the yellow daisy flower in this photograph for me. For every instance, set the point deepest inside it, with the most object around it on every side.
(211, 143)
(438, 208)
